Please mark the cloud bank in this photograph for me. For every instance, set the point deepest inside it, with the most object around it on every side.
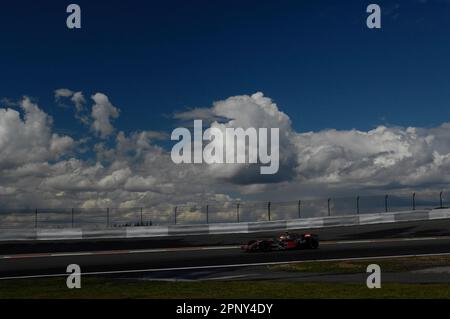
(39, 167)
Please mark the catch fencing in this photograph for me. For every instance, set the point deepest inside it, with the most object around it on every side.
(228, 212)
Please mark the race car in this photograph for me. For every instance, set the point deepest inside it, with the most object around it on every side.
(286, 241)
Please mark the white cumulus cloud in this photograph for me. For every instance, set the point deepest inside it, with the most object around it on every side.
(39, 167)
(102, 113)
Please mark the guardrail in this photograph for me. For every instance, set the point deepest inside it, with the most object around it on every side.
(224, 228)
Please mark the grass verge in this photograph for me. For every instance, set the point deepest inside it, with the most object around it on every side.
(359, 266)
(93, 287)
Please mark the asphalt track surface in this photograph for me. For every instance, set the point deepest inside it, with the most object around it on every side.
(411, 238)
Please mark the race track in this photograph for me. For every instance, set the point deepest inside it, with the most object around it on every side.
(219, 251)
(201, 258)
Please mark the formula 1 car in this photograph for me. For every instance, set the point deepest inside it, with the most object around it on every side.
(285, 241)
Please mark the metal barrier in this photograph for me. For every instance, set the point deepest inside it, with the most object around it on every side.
(51, 234)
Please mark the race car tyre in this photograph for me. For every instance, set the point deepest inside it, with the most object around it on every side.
(314, 244)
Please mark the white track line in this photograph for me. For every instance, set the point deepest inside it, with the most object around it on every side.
(220, 266)
(111, 252)
(226, 277)
(390, 240)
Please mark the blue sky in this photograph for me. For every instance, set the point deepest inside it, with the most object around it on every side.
(315, 59)
(377, 101)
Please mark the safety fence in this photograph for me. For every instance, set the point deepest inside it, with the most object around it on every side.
(228, 212)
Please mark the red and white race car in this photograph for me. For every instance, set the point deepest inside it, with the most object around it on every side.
(286, 241)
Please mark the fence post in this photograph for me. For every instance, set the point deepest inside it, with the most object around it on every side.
(414, 201)
(107, 217)
(175, 214)
(36, 218)
(72, 217)
(440, 199)
(268, 210)
(386, 203)
(329, 210)
(237, 211)
(299, 209)
(142, 218)
(357, 205)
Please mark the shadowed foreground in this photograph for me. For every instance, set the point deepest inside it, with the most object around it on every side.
(103, 288)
